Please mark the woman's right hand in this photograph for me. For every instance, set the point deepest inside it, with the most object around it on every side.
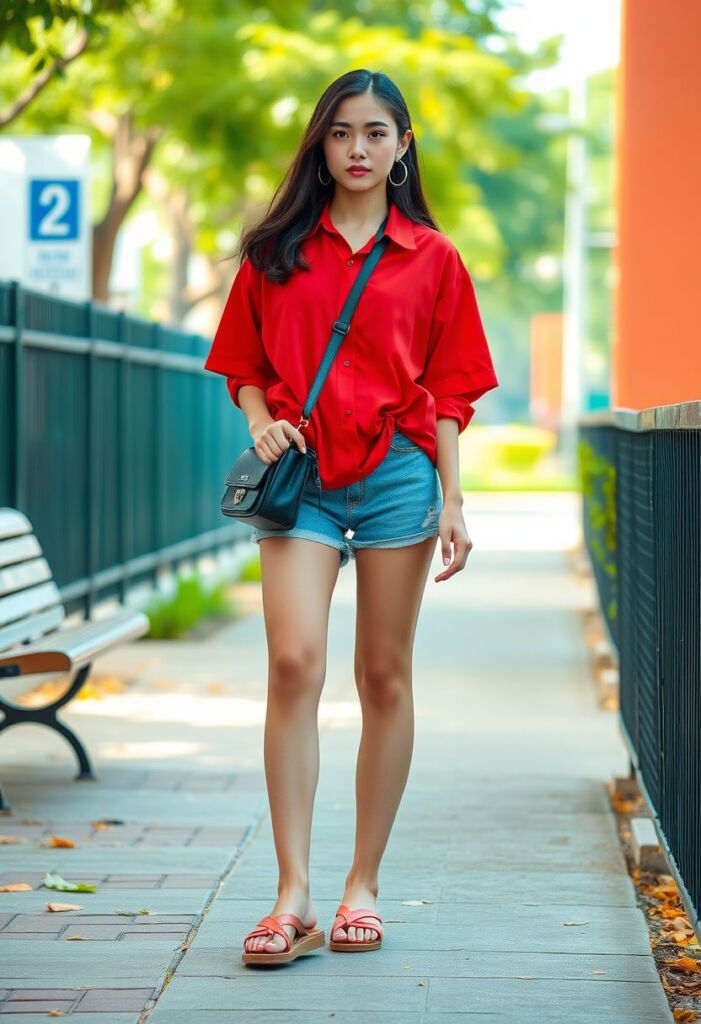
(273, 440)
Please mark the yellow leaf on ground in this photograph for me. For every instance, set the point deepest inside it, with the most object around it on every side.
(685, 963)
(6, 840)
(63, 906)
(16, 887)
(58, 841)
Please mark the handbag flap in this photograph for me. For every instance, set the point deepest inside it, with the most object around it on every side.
(248, 470)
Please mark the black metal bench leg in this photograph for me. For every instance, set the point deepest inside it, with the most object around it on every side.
(86, 769)
(16, 715)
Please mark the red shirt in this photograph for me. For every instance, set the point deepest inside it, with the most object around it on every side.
(416, 349)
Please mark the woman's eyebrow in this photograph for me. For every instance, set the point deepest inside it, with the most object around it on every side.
(368, 124)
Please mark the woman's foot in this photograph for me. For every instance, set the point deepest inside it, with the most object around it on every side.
(357, 895)
(297, 902)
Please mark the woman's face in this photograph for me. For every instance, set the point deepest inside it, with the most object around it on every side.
(363, 133)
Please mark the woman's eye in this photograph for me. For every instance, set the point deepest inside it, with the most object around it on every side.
(375, 131)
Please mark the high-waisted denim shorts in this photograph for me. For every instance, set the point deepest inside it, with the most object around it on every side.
(397, 504)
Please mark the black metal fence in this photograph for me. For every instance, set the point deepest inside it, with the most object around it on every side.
(641, 484)
(114, 441)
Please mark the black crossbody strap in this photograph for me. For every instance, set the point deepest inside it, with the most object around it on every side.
(342, 325)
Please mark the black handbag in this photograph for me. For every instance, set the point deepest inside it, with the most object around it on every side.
(267, 495)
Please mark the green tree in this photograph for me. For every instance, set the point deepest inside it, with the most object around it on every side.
(200, 106)
(50, 34)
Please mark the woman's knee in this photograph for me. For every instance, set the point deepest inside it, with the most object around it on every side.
(296, 671)
(383, 684)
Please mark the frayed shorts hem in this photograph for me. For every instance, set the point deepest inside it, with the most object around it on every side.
(345, 548)
(397, 542)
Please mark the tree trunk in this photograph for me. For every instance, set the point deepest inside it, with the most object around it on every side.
(131, 156)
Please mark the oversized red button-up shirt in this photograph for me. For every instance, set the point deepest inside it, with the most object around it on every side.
(416, 349)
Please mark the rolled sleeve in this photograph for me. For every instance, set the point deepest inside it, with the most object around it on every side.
(237, 350)
(459, 367)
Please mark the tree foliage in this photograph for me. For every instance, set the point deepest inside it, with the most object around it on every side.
(197, 109)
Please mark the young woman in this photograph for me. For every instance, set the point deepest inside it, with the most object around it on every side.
(385, 428)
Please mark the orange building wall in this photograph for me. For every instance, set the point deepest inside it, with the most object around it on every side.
(545, 394)
(656, 356)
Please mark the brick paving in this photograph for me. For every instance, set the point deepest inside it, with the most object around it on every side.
(134, 834)
(96, 926)
(96, 1000)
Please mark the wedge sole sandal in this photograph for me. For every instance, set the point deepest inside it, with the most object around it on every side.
(357, 919)
(306, 940)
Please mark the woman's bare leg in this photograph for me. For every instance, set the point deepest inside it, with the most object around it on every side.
(298, 577)
(390, 586)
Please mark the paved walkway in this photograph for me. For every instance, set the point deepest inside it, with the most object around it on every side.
(503, 889)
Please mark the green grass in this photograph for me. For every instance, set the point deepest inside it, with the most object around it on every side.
(512, 457)
(250, 573)
(513, 481)
(172, 616)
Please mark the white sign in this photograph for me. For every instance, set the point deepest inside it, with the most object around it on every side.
(46, 237)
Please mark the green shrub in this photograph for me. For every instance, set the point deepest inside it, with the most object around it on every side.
(172, 616)
(250, 573)
(511, 456)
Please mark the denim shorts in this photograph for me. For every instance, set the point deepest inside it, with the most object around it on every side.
(397, 504)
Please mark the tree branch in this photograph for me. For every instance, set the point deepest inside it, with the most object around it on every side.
(42, 80)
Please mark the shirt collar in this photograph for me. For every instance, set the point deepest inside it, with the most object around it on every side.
(399, 227)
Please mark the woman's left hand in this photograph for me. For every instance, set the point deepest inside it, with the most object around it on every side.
(451, 528)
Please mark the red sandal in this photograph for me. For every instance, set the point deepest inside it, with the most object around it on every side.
(305, 941)
(355, 918)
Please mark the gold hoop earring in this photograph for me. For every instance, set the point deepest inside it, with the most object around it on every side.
(406, 174)
(318, 174)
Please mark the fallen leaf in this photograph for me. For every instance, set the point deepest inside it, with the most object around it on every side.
(6, 840)
(598, 972)
(63, 906)
(56, 882)
(132, 913)
(76, 938)
(685, 963)
(684, 1015)
(55, 1013)
(58, 841)
(16, 887)
(100, 824)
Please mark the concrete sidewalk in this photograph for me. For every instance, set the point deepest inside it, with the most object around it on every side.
(503, 890)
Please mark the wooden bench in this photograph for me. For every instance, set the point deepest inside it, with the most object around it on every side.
(31, 638)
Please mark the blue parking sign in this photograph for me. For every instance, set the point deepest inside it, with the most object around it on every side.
(54, 209)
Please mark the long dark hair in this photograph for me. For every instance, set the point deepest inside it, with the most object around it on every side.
(273, 244)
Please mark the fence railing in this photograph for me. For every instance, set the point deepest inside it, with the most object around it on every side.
(114, 441)
(641, 482)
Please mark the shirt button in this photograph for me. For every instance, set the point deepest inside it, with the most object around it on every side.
(349, 263)
(348, 412)
(346, 362)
